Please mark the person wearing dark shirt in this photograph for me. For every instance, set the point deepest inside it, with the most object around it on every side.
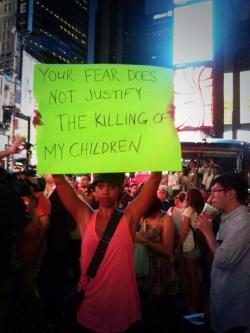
(14, 219)
(55, 263)
(162, 194)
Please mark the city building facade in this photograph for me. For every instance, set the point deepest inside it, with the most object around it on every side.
(7, 35)
(119, 30)
(53, 32)
(46, 31)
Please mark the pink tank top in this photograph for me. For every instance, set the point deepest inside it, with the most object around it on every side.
(111, 302)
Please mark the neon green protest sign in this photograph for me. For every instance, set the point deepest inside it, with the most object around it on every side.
(105, 118)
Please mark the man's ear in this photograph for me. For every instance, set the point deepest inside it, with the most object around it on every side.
(232, 193)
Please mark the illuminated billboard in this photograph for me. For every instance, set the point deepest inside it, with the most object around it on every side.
(193, 33)
(193, 97)
(245, 97)
(27, 98)
(228, 98)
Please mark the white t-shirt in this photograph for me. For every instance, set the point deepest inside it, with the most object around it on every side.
(176, 214)
(174, 181)
(188, 244)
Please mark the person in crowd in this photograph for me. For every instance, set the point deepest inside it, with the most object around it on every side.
(14, 218)
(124, 200)
(176, 212)
(111, 300)
(192, 174)
(82, 183)
(72, 180)
(187, 247)
(205, 194)
(203, 171)
(85, 190)
(126, 188)
(174, 183)
(91, 200)
(214, 172)
(206, 260)
(15, 147)
(157, 234)
(230, 278)
(133, 189)
(162, 194)
(31, 245)
(128, 194)
(53, 277)
(184, 178)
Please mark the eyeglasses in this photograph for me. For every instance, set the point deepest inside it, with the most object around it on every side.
(217, 190)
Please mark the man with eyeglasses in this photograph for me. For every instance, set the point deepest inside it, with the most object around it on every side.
(230, 276)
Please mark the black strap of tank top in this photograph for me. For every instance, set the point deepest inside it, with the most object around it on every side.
(103, 243)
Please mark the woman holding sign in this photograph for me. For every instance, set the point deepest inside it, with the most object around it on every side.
(111, 302)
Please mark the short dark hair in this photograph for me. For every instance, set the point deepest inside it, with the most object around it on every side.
(155, 207)
(236, 182)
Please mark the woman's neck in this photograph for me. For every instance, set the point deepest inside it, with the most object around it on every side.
(105, 212)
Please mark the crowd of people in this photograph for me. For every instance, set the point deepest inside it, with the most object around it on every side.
(51, 226)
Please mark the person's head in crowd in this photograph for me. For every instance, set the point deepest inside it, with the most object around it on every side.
(139, 188)
(126, 188)
(38, 182)
(184, 170)
(133, 189)
(215, 170)
(162, 193)
(90, 196)
(180, 200)
(28, 185)
(210, 162)
(154, 208)
(228, 192)
(207, 163)
(90, 189)
(125, 197)
(195, 199)
(108, 188)
(191, 164)
(83, 181)
(205, 194)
